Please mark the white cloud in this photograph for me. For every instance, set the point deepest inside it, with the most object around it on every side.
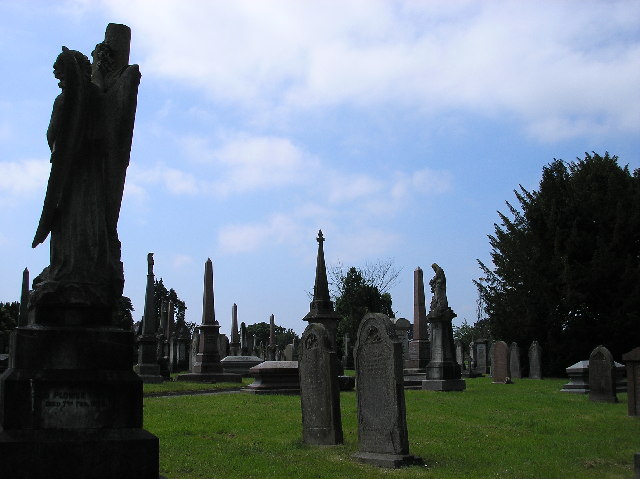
(180, 260)
(573, 62)
(250, 237)
(23, 177)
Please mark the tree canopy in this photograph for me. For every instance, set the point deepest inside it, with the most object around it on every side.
(357, 293)
(566, 263)
(9, 313)
(161, 293)
(261, 334)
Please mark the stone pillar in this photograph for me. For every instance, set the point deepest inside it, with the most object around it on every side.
(24, 299)
(244, 345)
(271, 348)
(514, 361)
(419, 347)
(234, 344)
(632, 360)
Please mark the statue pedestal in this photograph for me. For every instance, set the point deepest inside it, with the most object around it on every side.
(71, 406)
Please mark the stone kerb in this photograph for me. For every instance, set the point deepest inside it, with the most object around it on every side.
(500, 367)
(319, 388)
(632, 360)
(382, 425)
(602, 382)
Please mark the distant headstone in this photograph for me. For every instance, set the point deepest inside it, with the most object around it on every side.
(347, 357)
(514, 361)
(602, 382)
(382, 426)
(319, 388)
(535, 361)
(500, 368)
(481, 356)
(223, 345)
(459, 345)
(632, 360)
(244, 340)
(403, 326)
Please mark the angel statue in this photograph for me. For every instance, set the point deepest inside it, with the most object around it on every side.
(439, 289)
(89, 136)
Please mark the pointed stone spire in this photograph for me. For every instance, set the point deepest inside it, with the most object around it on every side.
(234, 344)
(149, 317)
(272, 331)
(321, 301)
(419, 308)
(24, 299)
(208, 311)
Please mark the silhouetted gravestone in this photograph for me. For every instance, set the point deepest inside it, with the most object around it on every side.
(500, 368)
(347, 357)
(459, 347)
(514, 361)
(403, 326)
(632, 360)
(234, 344)
(319, 388)
(70, 402)
(382, 424)
(147, 366)
(602, 381)
(419, 347)
(535, 361)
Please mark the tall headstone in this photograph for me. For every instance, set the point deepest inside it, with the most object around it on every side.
(347, 357)
(443, 372)
(147, 367)
(535, 361)
(244, 344)
(632, 360)
(70, 403)
(319, 388)
(459, 346)
(234, 344)
(602, 380)
(382, 425)
(500, 365)
(514, 361)
(419, 346)
(481, 356)
(403, 326)
(207, 366)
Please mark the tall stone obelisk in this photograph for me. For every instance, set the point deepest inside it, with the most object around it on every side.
(234, 344)
(207, 367)
(147, 367)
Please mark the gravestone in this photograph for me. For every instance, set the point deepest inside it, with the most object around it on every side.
(70, 402)
(602, 382)
(500, 366)
(244, 340)
(347, 357)
(535, 361)
(206, 366)
(443, 372)
(319, 388)
(403, 326)
(223, 345)
(514, 361)
(147, 366)
(579, 378)
(459, 346)
(632, 360)
(382, 424)
(481, 355)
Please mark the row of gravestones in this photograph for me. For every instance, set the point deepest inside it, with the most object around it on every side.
(505, 362)
(382, 426)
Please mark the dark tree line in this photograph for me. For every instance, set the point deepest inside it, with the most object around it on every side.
(566, 263)
(261, 333)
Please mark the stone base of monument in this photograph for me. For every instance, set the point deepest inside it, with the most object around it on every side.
(392, 461)
(579, 378)
(274, 377)
(419, 354)
(470, 373)
(149, 373)
(240, 364)
(413, 377)
(346, 383)
(443, 385)
(71, 406)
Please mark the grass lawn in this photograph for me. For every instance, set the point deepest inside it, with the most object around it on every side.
(525, 430)
(180, 386)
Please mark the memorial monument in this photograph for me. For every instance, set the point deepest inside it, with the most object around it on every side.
(70, 402)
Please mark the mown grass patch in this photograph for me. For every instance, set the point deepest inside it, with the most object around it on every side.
(525, 430)
(183, 386)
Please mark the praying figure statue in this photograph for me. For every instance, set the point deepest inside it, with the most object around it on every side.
(439, 289)
(89, 135)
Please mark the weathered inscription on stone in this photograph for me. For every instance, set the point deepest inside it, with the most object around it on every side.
(70, 407)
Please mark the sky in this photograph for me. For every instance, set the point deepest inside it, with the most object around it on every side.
(399, 128)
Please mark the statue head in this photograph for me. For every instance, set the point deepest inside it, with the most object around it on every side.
(60, 65)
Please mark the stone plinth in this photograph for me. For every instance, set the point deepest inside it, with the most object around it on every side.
(632, 358)
(443, 371)
(240, 364)
(274, 377)
(71, 392)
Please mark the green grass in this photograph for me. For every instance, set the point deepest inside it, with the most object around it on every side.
(525, 430)
(183, 386)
